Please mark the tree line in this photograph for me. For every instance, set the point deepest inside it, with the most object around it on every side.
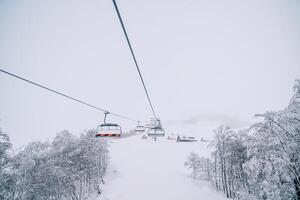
(261, 162)
(68, 168)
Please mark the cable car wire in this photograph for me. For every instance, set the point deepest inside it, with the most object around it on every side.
(66, 96)
(133, 55)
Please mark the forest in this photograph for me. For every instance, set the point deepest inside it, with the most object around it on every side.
(260, 162)
(66, 168)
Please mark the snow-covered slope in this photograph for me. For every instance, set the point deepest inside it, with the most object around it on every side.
(149, 170)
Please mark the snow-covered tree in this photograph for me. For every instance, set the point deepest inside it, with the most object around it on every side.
(5, 146)
(274, 152)
(262, 162)
(7, 180)
(67, 168)
(193, 162)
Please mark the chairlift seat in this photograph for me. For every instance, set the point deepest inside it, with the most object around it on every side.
(109, 130)
(140, 129)
(156, 132)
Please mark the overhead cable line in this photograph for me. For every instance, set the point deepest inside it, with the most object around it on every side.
(66, 96)
(133, 55)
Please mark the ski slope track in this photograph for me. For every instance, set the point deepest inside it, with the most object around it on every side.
(148, 170)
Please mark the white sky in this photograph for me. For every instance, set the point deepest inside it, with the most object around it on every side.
(204, 62)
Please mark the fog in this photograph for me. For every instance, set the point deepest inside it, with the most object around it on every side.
(205, 63)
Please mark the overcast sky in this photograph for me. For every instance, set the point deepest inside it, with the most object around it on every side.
(204, 62)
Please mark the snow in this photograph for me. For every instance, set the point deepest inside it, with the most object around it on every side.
(148, 170)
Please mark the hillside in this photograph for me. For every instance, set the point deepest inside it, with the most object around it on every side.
(145, 169)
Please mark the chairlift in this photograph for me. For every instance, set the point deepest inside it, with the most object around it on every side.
(156, 129)
(156, 132)
(139, 128)
(108, 129)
